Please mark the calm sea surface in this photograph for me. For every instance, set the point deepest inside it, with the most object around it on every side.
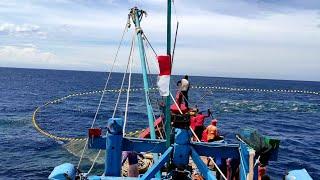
(27, 154)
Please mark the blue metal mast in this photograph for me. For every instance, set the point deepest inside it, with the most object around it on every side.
(136, 15)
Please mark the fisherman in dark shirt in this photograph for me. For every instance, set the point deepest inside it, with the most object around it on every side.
(132, 157)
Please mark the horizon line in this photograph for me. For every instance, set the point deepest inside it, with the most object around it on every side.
(78, 70)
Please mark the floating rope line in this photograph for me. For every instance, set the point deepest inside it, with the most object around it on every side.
(217, 88)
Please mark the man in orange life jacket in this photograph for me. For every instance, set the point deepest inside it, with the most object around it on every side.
(205, 132)
(212, 132)
(197, 123)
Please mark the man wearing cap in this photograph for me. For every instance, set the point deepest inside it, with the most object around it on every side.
(212, 132)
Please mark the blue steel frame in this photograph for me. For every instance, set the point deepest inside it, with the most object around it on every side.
(244, 150)
(178, 153)
(114, 144)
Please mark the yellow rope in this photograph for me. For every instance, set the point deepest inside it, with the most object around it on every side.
(37, 127)
(59, 138)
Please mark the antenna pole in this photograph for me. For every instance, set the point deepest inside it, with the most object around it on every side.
(167, 100)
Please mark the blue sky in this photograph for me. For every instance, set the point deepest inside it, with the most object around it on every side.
(244, 38)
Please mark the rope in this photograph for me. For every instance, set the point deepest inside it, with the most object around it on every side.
(153, 62)
(82, 153)
(185, 99)
(218, 88)
(217, 167)
(159, 130)
(152, 84)
(128, 89)
(176, 33)
(94, 162)
(176, 103)
(106, 84)
(174, 43)
(147, 40)
(150, 79)
(175, 10)
(105, 87)
(119, 95)
(209, 92)
(116, 105)
(121, 87)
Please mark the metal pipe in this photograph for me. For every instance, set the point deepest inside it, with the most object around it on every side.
(167, 100)
(138, 13)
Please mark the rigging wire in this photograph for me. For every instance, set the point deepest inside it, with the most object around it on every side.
(104, 89)
(128, 89)
(174, 44)
(157, 68)
(112, 67)
(149, 77)
(175, 10)
(122, 83)
(147, 40)
(176, 33)
(149, 70)
(119, 95)
(151, 82)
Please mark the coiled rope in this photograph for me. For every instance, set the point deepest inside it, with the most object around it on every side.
(214, 88)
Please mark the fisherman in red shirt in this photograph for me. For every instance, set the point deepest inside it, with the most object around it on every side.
(198, 123)
(193, 121)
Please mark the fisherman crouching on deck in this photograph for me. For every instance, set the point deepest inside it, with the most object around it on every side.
(184, 86)
(212, 132)
(132, 157)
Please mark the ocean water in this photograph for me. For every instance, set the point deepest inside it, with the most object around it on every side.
(294, 118)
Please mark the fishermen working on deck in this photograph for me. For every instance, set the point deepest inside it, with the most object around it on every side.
(197, 122)
(184, 86)
(132, 157)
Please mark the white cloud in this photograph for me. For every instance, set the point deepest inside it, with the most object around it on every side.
(23, 29)
(72, 58)
(256, 40)
(27, 53)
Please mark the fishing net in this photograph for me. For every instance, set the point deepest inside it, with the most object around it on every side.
(76, 149)
(265, 147)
